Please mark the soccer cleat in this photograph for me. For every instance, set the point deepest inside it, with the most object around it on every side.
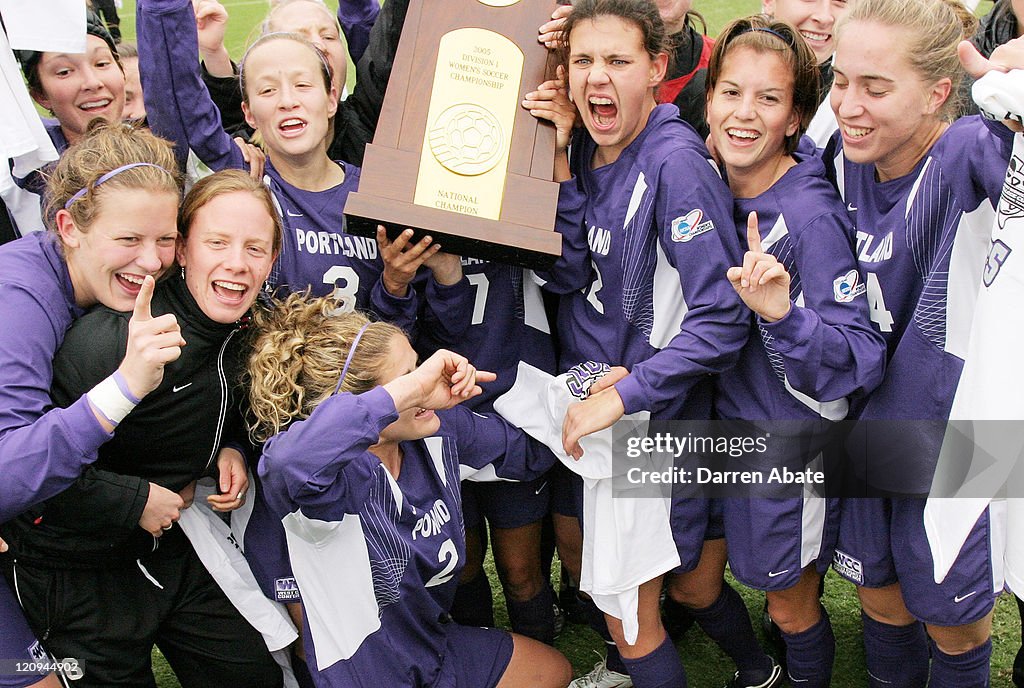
(601, 677)
(774, 679)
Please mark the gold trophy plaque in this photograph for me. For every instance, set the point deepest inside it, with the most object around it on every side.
(455, 155)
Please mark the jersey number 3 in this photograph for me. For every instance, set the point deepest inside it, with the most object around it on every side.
(345, 281)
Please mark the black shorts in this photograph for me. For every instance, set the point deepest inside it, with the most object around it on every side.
(110, 619)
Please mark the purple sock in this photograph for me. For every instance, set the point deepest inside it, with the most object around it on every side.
(810, 655)
(969, 670)
(897, 656)
(727, 622)
(660, 668)
(473, 604)
(534, 618)
(613, 660)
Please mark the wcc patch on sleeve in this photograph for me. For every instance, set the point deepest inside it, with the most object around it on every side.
(690, 225)
(37, 653)
(848, 287)
(286, 590)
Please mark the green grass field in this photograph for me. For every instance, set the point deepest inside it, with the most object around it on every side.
(706, 665)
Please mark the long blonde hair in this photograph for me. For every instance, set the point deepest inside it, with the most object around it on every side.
(298, 352)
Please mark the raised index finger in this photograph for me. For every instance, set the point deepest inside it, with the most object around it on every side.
(143, 299)
(753, 234)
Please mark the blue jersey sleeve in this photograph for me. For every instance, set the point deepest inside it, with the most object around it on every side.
(980, 150)
(829, 347)
(572, 270)
(491, 448)
(178, 105)
(447, 312)
(314, 464)
(445, 309)
(696, 234)
(43, 450)
(356, 18)
(397, 310)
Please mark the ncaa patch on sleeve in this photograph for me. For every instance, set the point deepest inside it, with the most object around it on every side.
(690, 225)
(848, 287)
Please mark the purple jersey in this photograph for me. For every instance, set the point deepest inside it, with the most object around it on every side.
(802, 366)
(316, 251)
(507, 324)
(654, 298)
(922, 241)
(380, 617)
(43, 450)
(824, 350)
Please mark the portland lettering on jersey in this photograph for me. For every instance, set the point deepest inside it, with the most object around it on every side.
(600, 239)
(432, 522)
(868, 251)
(326, 243)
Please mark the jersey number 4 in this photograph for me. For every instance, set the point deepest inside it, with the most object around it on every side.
(879, 314)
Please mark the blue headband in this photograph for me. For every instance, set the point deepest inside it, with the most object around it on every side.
(108, 176)
(348, 359)
(762, 29)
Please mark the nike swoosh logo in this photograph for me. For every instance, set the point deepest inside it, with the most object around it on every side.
(178, 389)
(960, 598)
(851, 207)
(291, 214)
(773, 574)
(545, 484)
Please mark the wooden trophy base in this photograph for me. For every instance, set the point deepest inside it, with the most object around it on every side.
(523, 243)
(536, 248)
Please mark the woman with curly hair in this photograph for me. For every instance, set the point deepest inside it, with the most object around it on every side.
(362, 471)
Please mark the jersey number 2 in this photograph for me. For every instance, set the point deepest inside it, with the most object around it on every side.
(449, 556)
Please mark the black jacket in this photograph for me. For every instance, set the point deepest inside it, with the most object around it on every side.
(997, 27)
(170, 439)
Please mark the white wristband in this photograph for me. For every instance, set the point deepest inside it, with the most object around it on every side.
(112, 398)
